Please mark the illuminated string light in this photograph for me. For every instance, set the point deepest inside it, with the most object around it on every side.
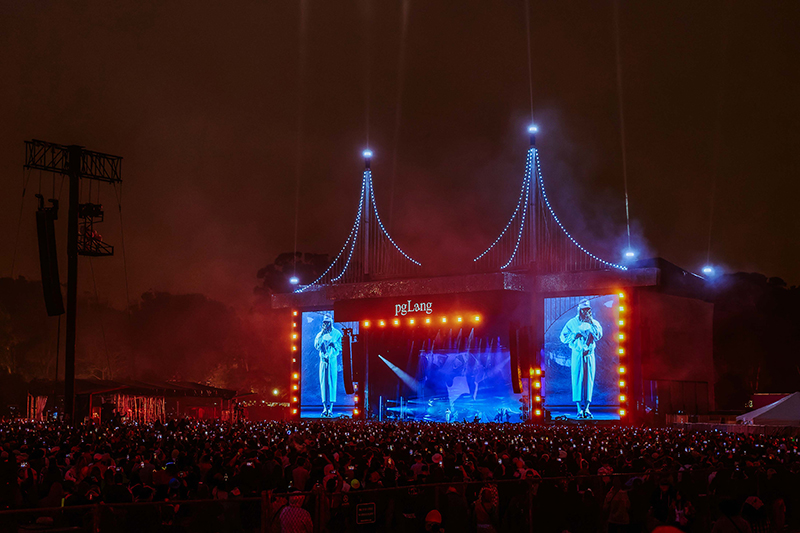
(533, 159)
(356, 228)
(560, 225)
(523, 194)
(367, 192)
(368, 176)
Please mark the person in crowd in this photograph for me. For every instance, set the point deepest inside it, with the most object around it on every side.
(560, 470)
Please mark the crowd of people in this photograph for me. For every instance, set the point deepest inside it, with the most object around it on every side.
(453, 477)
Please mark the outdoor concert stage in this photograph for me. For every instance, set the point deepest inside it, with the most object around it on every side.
(475, 345)
(543, 329)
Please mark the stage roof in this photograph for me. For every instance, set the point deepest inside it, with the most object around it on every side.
(657, 273)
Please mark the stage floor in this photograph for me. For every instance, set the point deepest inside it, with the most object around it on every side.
(315, 411)
(571, 412)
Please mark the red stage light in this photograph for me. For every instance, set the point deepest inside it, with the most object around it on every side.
(294, 313)
(411, 321)
(381, 323)
(366, 323)
(538, 412)
(396, 322)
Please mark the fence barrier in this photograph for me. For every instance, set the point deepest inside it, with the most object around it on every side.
(552, 504)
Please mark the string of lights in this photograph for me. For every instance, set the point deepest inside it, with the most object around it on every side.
(527, 187)
(368, 177)
(555, 217)
(351, 237)
(356, 227)
(522, 195)
(367, 195)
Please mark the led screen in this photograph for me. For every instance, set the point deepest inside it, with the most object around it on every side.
(581, 357)
(442, 375)
(322, 393)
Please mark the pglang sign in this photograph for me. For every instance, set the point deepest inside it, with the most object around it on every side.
(408, 307)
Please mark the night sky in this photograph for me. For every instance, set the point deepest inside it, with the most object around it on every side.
(217, 106)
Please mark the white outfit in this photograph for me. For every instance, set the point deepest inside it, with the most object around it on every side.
(329, 345)
(582, 338)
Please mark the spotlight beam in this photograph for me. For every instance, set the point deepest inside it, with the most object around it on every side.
(405, 377)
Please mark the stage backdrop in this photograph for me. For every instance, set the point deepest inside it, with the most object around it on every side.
(442, 374)
(310, 390)
(560, 379)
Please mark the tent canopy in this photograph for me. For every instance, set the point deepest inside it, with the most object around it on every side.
(784, 412)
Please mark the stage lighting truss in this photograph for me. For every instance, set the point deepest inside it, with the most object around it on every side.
(462, 319)
(622, 351)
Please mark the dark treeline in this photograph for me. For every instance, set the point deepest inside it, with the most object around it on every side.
(191, 337)
(163, 336)
(756, 337)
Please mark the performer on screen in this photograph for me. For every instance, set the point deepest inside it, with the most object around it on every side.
(581, 334)
(329, 344)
